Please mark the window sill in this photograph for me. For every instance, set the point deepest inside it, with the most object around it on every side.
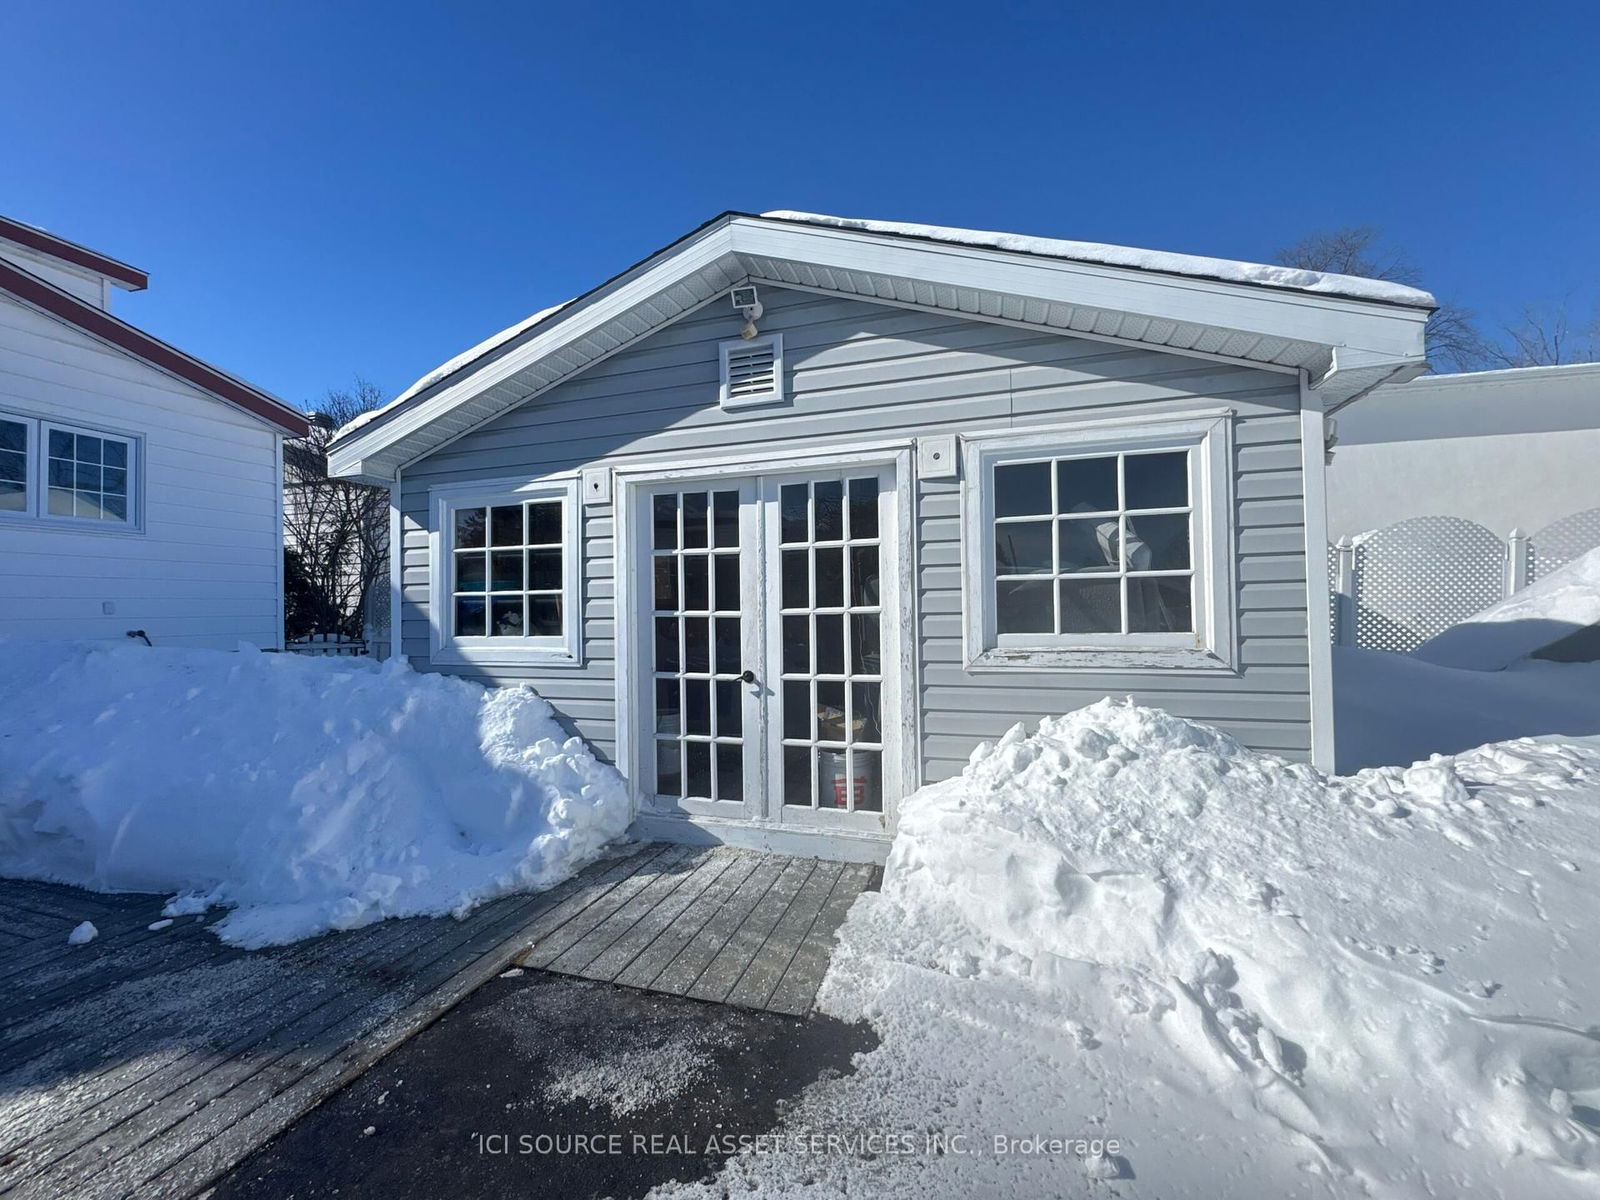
(1102, 659)
(56, 524)
(506, 656)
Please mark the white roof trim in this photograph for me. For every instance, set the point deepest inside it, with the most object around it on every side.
(1332, 337)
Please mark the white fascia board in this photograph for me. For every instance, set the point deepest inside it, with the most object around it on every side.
(352, 458)
(1391, 330)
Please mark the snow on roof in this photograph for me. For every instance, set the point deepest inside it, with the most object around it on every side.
(1320, 282)
(450, 366)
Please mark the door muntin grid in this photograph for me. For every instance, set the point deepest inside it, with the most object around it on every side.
(697, 645)
(829, 702)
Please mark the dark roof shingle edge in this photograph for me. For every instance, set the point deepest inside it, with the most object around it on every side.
(50, 299)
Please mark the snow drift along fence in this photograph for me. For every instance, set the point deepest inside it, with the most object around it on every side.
(329, 644)
(1395, 588)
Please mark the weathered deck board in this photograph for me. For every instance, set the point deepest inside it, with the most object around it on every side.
(149, 1061)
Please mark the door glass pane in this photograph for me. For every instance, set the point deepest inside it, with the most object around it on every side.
(866, 711)
(666, 644)
(829, 510)
(797, 709)
(797, 776)
(865, 658)
(830, 644)
(697, 706)
(725, 507)
(866, 773)
(796, 579)
(730, 708)
(697, 778)
(696, 582)
(730, 771)
(695, 507)
(796, 645)
(863, 508)
(864, 576)
(830, 577)
(666, 570)
(726, 592)
(830, 711)
(727, 645)
(669, 770)
(668, 709)
(696, 644)
(664, 513)
(793, 500)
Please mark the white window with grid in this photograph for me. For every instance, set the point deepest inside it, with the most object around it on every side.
(1102, 546)
(506, 574)
(56, 473)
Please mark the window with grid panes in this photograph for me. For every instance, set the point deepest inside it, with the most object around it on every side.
(507, 572)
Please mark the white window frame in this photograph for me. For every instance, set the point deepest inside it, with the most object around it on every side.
(563, 650)
(37, 510)
(728, 348)
(1211, 647)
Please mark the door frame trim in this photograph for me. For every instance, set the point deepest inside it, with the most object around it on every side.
(632, 478)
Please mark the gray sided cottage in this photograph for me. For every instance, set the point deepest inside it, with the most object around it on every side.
(787, 517)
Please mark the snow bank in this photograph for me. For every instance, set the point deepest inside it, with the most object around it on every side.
(306, 793)
(1256, 980)
(1395, 709)
(1128, 256)
(1544, 612)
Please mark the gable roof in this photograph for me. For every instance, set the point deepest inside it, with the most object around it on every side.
(33, 238)
(47, 298)
(1347, 334)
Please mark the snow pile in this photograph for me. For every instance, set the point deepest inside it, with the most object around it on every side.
(450, 367)
(306, 793)
(1544, 612)
(1212, 972)
(1129, 256)
(1395, 709)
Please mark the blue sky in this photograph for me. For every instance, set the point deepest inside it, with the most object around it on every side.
(325, 190)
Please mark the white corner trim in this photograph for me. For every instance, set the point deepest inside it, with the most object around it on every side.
(448, 650)
(279, 635)
(1319, 637)
(397, 570)
(1214, 644)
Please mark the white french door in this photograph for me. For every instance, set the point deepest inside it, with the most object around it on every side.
(771, 647)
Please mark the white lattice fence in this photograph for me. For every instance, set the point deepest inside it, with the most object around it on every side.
(1421, 576)
(1396, 588)
(1559, 543)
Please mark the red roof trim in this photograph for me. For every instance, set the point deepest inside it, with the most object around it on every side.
(70, 252)
(103, 325)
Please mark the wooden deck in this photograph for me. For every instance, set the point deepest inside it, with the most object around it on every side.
(150, 1061)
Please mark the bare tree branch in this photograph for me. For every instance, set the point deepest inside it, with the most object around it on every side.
(1451, 336)
(339, 529)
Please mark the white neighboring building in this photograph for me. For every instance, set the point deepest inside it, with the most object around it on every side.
(139, 486)
(1507, 449)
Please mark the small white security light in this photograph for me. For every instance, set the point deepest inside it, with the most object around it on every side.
(747, 302)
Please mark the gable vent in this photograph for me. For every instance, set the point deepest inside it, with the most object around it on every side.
(752, 372)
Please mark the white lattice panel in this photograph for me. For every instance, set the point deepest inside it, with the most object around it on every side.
(1419, 577)
(1558, 544)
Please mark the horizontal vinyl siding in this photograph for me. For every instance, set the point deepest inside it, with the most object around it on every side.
(863, 371)
(204, 571)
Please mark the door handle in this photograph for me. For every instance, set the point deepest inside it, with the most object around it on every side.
(748, 677)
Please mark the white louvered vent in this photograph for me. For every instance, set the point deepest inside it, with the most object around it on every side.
(752, 372)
